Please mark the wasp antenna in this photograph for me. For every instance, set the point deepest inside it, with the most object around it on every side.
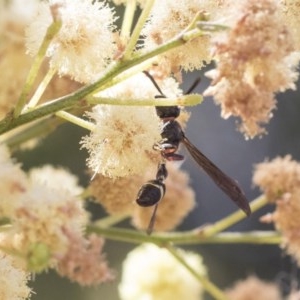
(193, 86)
(162, 95)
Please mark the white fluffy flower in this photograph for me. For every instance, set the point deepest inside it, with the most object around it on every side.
(85, 43)
(168, 19)
(13, 281)
(16, 11)
(56, 178)
(122, 142)
(152, 273)
(13, 183)
(45, 214)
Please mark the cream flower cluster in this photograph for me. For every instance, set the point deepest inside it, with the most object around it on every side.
(85, 44)
(14, 61)
(13, 280)
(255, 45)
(168, 18)
(47, 215)
(255, 60)
(122, 142)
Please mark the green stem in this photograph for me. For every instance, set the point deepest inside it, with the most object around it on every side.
(51, 32)
(200, 16)
(184, 100)
(191, 237)
(110, 221)
(233, 218)
(252, 237)
(128, 18)
(210, 287)
(5, 224)
(125, 75)
(75, 120)
(40, 90)
(72, 99)
(211, 26)
(137, 30)
(38, 129)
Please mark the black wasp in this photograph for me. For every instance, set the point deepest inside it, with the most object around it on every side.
(172, 135)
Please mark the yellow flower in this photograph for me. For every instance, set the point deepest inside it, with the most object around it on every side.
(152, 273)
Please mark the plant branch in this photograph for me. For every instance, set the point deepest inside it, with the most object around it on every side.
(137, 30)
(73, 99)
(38, 129)
(191, 237)
(50, 34)
(110, 220)
(233, 218)
(75, 120)
(40, 90)
(211, 26)
(184, 100)
(128, 18)
(210, 287)
(208, 234)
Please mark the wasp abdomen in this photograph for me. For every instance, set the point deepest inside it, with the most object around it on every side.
(151, 193)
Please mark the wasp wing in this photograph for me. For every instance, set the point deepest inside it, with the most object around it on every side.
(229, 186)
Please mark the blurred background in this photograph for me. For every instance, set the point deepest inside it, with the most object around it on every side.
(226, 147)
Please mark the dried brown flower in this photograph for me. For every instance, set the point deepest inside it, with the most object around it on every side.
(276, 177)
(253, 288)
(84, 261)
(291, 14)
(286, 220)
(280, 181)
(117, 196)
(255, 60)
